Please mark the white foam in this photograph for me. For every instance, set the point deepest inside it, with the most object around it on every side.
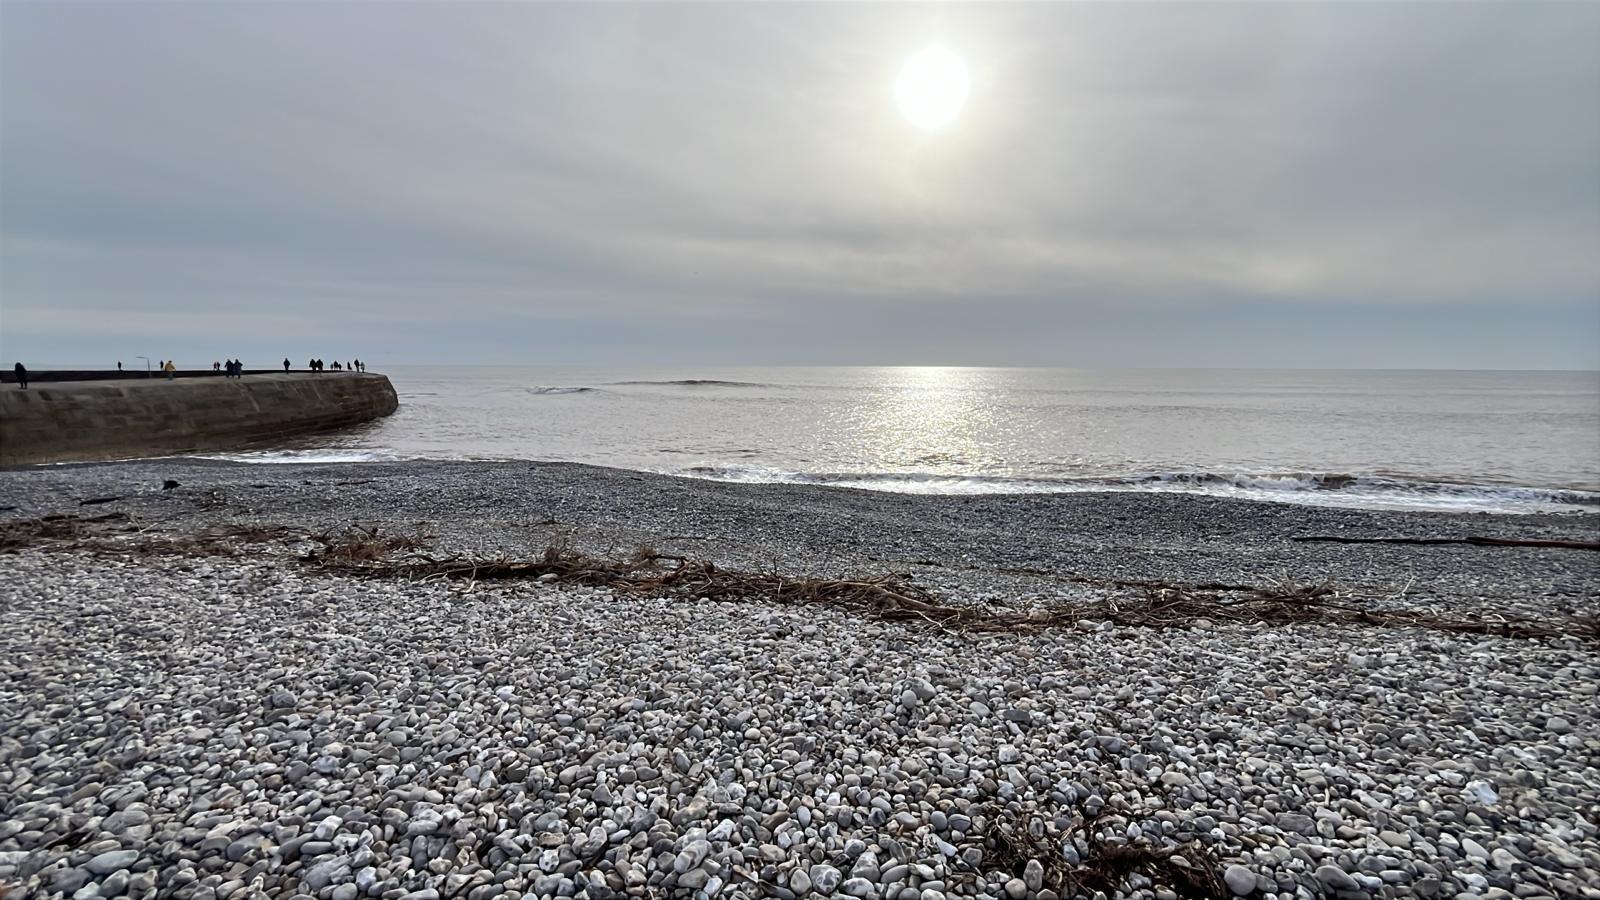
(1313, 489)
(318, 455)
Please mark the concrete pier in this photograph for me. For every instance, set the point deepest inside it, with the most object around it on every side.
(71, 421)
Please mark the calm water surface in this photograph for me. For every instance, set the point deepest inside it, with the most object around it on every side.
(1494, 441)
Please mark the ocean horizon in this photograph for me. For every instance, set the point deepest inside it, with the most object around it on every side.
(1449, 440)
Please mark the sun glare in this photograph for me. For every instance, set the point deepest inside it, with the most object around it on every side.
(932, 87)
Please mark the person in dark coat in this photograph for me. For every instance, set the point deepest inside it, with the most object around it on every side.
(22, 375)
(286, 363)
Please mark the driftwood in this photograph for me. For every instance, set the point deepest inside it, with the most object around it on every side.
(1473, 540)
(368, 552)
(116, 532)
(895, 598)
(1191, 869)
(55, 528)
(359, 546)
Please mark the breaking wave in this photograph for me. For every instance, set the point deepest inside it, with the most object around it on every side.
(563, 390)
(330, 455)
(699, 382)
(1320, 489)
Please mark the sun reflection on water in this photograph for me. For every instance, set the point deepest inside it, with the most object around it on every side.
(928, 419)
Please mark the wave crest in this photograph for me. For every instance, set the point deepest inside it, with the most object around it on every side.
(314, 455)
(699, 382)
(1314, 488)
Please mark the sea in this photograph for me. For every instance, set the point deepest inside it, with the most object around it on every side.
(1477, 441)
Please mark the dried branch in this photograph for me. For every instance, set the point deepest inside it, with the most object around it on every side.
(1473, 540)
(1191, 869)
(895, 598)
(51, 529)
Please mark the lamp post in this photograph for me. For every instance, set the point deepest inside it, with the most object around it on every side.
(146, 359)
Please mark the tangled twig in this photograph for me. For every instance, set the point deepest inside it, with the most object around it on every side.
(895, 598)
(371, 552)
(1103, 868)
(18, 533)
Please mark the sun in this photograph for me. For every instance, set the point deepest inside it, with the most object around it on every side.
(932, 88)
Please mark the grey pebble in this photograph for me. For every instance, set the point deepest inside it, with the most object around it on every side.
(111, 860)
(345, 739)
(1240, 880)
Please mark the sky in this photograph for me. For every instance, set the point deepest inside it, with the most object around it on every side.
(1231, 184)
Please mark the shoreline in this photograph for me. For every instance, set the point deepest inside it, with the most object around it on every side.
(965, 542)
(1026, 486)
(274, 729)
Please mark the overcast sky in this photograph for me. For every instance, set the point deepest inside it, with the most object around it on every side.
(1133, 184)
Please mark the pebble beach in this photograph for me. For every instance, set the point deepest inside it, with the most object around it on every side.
(247, 726)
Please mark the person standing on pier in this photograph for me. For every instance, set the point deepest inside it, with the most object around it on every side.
(170, 369)
(286, 363)
(22, 375)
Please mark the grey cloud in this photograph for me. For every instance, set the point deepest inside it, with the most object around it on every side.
(585, 180)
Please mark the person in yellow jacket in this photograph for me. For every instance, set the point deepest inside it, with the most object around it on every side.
(170, 369)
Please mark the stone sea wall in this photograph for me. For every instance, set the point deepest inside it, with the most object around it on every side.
(93, 420)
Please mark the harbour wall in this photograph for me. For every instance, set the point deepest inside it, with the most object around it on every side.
(75, 421)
